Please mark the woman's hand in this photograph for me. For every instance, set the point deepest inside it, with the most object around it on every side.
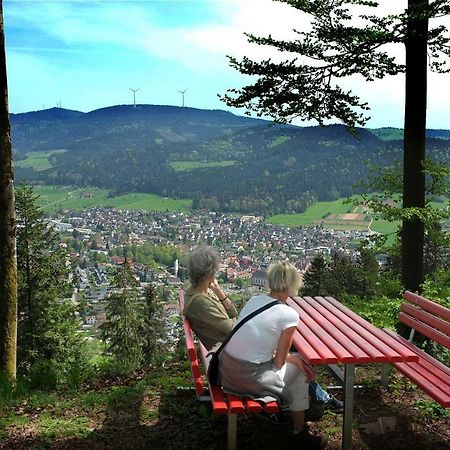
(215, 287)
(304, 367)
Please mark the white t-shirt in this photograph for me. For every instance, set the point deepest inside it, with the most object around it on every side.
(257, 339)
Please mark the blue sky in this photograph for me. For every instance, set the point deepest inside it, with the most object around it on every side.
(87, 54)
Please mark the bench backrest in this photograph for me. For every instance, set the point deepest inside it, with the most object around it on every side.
(428, 318)
(191, 350)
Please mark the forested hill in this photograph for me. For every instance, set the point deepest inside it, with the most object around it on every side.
(220, 160)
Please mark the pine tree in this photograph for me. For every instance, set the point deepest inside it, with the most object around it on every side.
(307, 85)
(47, 326)
(126, 328)
(155, 324)
(315, 277)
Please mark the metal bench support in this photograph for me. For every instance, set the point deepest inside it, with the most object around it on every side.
(349, 382)
(232, 431)
(385, 372)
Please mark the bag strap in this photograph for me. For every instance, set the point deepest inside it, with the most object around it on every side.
(244, 320)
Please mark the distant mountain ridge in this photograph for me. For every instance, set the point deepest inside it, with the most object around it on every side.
(220, 160)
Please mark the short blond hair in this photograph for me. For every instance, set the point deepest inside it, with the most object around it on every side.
(284, 277)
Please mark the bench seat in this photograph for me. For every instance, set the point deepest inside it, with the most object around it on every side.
(222, 403)
(431, 320)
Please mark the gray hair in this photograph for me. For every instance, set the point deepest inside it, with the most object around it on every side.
(203, 262)
(284, 277)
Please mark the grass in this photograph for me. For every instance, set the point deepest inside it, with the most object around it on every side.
(186, 166)
(315, 212)
(38, 160)
(319, 213)
(52, 198)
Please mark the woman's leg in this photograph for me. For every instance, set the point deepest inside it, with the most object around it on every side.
(296, 388)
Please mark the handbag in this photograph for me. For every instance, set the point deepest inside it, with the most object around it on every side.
(213, 371)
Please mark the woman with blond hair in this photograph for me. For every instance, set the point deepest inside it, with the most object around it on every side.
(256, 361)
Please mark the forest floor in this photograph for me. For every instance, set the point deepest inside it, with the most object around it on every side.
(157, 409)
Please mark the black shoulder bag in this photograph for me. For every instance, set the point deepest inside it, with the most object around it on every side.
(213, 368)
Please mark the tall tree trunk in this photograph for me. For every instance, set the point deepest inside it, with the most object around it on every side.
(414, 144)
(8, 262)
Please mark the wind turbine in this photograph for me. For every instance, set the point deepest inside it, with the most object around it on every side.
(182, 96)
(134, 96)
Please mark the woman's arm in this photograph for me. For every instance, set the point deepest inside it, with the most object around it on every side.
(282, 354)
(284, 344)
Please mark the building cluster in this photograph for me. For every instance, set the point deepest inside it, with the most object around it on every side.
(247, 245)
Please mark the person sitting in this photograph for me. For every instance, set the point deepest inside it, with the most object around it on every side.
(212, 315)
(210, 311)
(257, 362)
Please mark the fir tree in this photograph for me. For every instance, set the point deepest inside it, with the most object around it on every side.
(47, 326)
(125, 330)
(155, 324)
(315, 277)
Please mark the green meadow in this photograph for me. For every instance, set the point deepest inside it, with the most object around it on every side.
(314, 213)
(186, 166)
(52, 198)
(38, 160)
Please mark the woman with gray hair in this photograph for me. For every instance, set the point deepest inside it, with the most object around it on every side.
(256, 361)
(209, 310)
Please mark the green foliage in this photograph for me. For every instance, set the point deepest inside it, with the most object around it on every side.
(47, 327)
(155, 325)
(125, 330)
(306, 83)
(430, 408)
(437, 287)
(380, 311)
(340, 276)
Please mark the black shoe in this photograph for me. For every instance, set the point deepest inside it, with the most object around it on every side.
(306, 440)
(334, 405)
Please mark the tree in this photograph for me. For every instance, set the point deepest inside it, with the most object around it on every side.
(126, 326)
(8, 264)
(335, 49)
(314, 277)
(47, 327)
(155, 325)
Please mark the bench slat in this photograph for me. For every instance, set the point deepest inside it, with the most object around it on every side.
(350, 339)
(375, 336)
(427, 305)
(235, 404)
(423, 379)
(252, 406)
(425, 329)
(326, 356)
(422, 355)
(429, 319)
(311, 355)
(428, 373)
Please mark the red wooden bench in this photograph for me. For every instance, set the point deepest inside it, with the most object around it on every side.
(433, 321)
(222, 403)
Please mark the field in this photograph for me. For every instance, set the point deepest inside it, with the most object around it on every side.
(337, 215)
(38, 160)
(57, 197)
(186, 166)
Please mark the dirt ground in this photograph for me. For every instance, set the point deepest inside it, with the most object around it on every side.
(167, 415)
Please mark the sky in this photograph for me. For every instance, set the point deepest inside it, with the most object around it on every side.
(85, 55)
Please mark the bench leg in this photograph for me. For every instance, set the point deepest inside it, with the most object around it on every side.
(385, 372)
(349, 383)
(232, 431)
